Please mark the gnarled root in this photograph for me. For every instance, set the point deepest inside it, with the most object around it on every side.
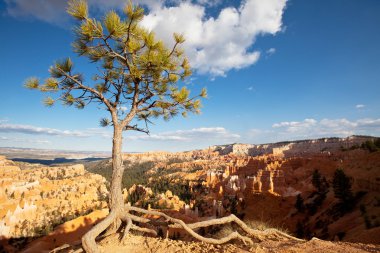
(254, 233)
(258, 234)
(89, 244)
(88, 240)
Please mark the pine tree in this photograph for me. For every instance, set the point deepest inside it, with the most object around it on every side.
(319, 182)
(137, 81)
(316, 179)
(300, 203)
(136, 71)
(342, 188)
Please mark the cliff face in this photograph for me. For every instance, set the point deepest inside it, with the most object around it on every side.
(289, 149)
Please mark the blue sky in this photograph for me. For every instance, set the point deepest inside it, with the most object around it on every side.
(275, 70)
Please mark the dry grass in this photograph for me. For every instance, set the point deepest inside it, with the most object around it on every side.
(263, 225)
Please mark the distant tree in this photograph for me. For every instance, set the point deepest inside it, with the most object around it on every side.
(377, 143)
(300, 203)
(342, 188)
(371, 146)
(233, 206)
(319, 182)
(316, 179)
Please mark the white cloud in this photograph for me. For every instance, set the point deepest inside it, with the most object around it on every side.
(28, 129)
(294, 126)
(328, 127)
(214, 45)
(271, 51)
(359, 106)
(54, 11)
(312, 128)
(217, 45)
(22, 140)
(195, 134)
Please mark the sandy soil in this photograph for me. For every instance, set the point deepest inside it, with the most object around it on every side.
(141, 244)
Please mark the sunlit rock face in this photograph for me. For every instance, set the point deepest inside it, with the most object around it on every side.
(33, 200)
(290, 149)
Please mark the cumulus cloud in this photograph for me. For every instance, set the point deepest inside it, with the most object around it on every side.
(217, 45)
(359, 106)
(27, 129)
(214, 45)
(195, 134)
(328, 127)
(294, 126)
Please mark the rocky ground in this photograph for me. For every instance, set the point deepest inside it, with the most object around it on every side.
(142, 244)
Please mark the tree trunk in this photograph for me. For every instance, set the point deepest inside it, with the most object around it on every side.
(116, 201)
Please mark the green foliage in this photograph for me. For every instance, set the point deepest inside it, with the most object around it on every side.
(137, 174)
(320, 182)
(48, 101)
(135, 69)
(371, 145)
(78, 9)
(342, 190)
(104, 122)
(51, 83)
(316, 179)
(134, 197)
(114, 25)
(32, 83)
(181, 189)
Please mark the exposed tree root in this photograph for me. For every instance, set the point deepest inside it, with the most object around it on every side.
(258, 234)
(88, 240)
(89, 244)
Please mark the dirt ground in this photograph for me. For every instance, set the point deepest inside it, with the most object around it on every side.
(141, 244)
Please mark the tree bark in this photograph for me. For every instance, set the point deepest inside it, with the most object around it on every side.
(116, 202)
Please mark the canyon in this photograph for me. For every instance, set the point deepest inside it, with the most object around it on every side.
(34, 200)
(262, 182)
(258, 183)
